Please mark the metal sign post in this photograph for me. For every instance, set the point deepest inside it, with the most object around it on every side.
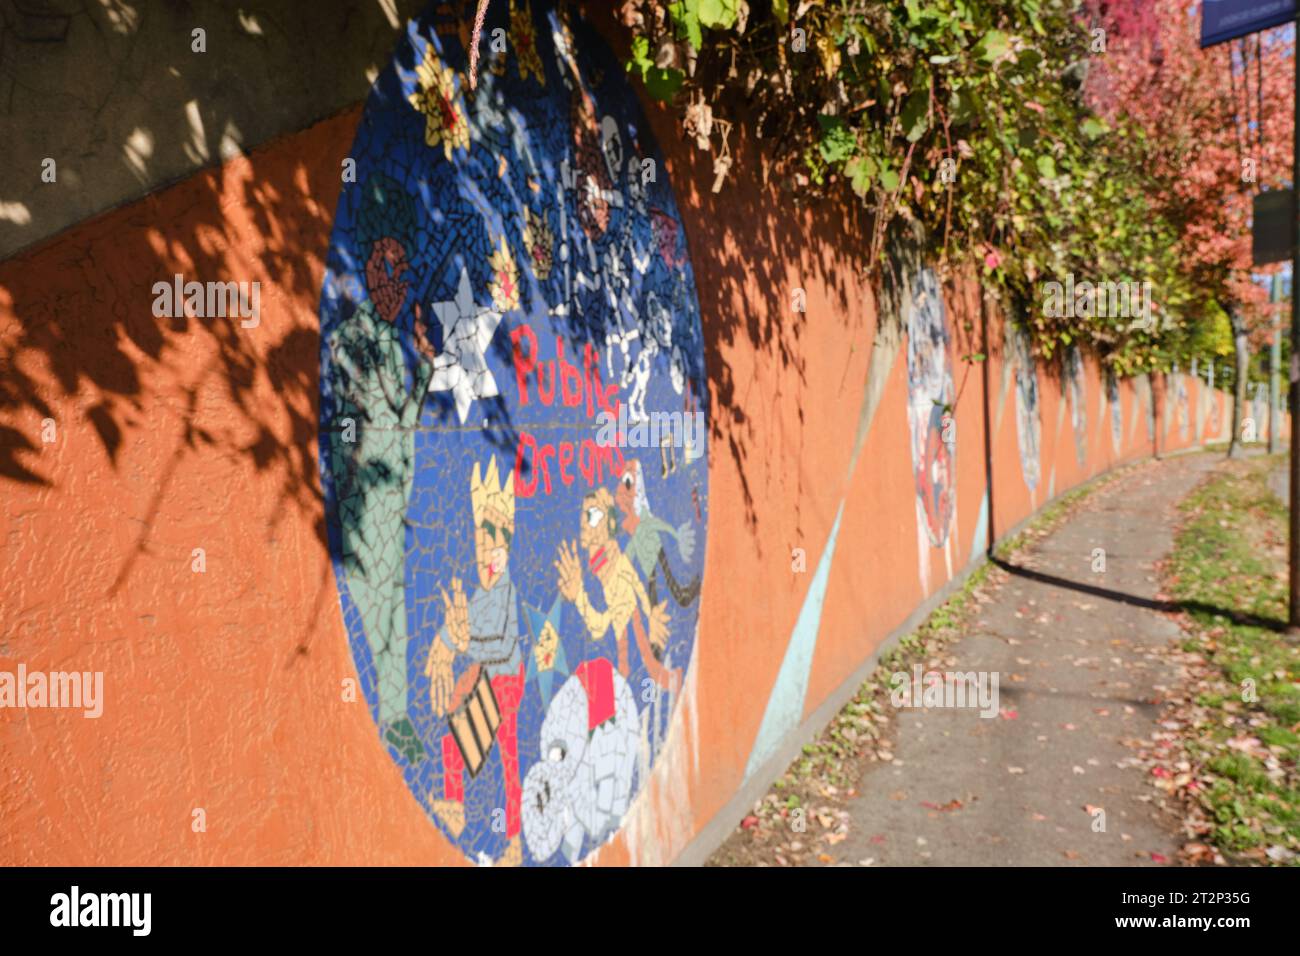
(1223, 20)
(1293, 549)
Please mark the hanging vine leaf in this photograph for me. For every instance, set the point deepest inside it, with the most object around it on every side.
(663, 84)
(888, 179)
(717, 14)
(686, 18)
(993, 46)
(838, 143)
(861, 171)
(915, 115)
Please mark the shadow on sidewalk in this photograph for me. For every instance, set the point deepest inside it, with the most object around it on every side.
(1237, 617)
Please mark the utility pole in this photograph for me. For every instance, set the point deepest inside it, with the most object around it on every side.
(1274, 359)
(1294, 391)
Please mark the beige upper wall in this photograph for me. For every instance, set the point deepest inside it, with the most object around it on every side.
(122, 104)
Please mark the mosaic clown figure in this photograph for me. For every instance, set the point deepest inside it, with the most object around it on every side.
(626, 602)
(483, 631)
(645, 545)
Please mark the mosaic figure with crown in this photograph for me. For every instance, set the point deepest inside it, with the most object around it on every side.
(482, 704)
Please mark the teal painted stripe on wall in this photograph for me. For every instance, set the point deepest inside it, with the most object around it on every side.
(786, 702)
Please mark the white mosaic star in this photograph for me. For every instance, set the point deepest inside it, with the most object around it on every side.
(467, 330)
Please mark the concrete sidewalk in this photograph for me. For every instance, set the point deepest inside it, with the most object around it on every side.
(1072, 648)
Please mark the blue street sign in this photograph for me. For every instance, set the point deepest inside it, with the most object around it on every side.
(1223, 20)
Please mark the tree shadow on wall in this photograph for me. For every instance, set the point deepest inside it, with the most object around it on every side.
(81, 351)
(754, 254)
(79, 333)
(79, 344)
(77, 329)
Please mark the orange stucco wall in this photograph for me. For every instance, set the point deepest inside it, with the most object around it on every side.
(223, 687)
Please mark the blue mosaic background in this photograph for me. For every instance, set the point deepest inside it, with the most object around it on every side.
(418, 217)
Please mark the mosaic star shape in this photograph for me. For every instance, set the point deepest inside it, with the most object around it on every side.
(467, 330)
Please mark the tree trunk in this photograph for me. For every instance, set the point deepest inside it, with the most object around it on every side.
(1235, 449)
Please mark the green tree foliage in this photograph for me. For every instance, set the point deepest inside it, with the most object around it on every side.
(962, 116)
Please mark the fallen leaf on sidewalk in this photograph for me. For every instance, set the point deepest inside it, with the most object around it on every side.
(953, 804)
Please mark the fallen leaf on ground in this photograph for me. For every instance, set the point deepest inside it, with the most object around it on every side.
(953, 804)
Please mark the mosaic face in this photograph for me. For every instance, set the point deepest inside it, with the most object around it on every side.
(513, 440)
(1028, 420)
(930, 395)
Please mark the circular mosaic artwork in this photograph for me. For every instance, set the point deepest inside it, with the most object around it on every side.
(1076, 388)
(930, 398)
(513, 431)
(1029, 425)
